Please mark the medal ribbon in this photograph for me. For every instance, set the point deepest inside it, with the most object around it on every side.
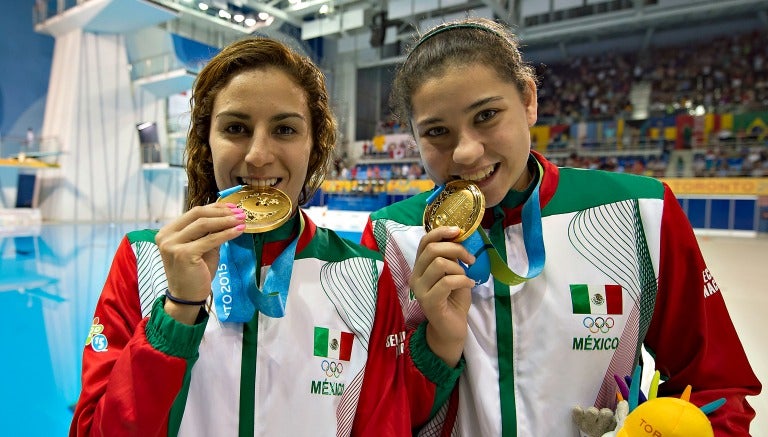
(487, 257)
(235, 292)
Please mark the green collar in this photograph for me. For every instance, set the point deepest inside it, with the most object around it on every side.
(514, 197)
(284, 232)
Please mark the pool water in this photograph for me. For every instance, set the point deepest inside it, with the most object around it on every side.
(50, 280)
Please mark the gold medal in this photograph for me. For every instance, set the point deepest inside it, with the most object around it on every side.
(265, 208)
(461, 203)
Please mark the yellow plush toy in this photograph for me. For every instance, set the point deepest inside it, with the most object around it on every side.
(668, 417)
(637, 417)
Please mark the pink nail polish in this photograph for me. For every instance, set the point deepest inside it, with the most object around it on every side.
(240, 227)
(236, 210)
(240, 216)
(231, 205)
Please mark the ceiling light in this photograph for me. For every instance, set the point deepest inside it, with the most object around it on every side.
(263, 16)
(202, 6)
(239, 18)
(324, 9)
(224, 14)
(250, 21)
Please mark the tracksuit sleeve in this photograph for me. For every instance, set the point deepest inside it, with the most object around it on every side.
(691, 334)
(428, 379)
(130, 382)
(429, 370)
(382, 409)
(367, 239)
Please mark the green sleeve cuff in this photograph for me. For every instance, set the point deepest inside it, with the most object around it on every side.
(443, 376)
(174, 338)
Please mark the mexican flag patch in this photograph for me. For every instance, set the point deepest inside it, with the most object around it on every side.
(596, 299)
(332, 343)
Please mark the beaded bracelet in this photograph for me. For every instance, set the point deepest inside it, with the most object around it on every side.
(170, 297)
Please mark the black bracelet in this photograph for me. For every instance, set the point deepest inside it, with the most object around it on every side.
(170, 297)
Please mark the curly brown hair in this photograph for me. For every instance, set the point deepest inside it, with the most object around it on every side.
(248, 54)
(469, 41)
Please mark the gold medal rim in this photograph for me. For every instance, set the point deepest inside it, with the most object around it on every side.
(252, 227)
(478, 206)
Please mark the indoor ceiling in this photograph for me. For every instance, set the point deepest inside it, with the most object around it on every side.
(217, 22)
(342, 18)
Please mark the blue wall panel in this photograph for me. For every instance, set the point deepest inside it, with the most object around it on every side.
(697, 213)
(744, 214)
(719, 213)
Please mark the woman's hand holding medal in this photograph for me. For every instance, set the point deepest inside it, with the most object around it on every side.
(443, 291)
(189, 247)
(439, 283)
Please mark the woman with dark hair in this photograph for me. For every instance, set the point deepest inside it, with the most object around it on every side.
(567, 276)
(242, 317)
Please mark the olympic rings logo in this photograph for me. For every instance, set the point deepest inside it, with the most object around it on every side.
(332, 368)
(598, 324)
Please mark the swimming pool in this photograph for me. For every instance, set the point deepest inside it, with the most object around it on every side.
(50, 280)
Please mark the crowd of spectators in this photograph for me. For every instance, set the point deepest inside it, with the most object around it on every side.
(715, 161)
(743, 161)
(723, 74)
(655, 166)
(410, 170)
(727, 74)
(586, 88)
